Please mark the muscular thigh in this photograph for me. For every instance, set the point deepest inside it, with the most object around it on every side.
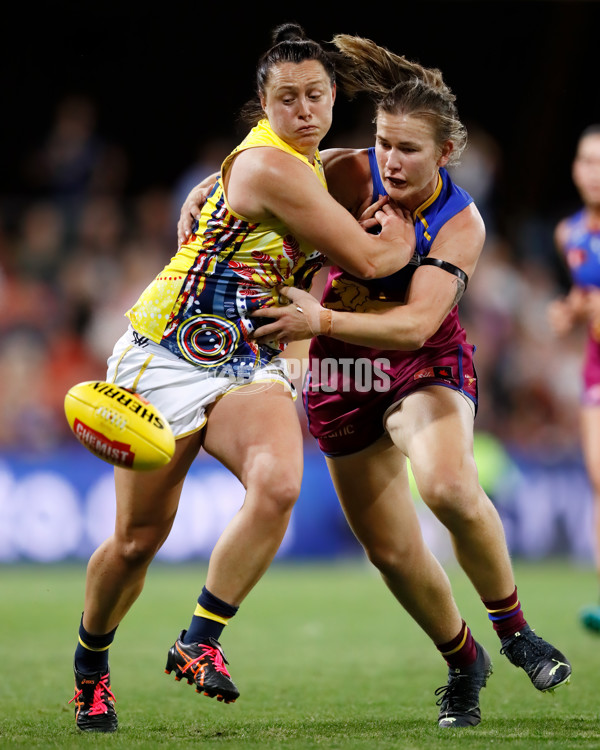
(434, 428)
(590, 423)
(374, 492)
(146, 499)
(256, 426)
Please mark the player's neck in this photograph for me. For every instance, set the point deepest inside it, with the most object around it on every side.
(593, 217)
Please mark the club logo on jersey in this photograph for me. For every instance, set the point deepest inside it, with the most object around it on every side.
(576, 256)
(439, 372)
(352, 295)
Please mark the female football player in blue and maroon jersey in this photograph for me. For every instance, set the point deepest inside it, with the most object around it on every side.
(578, 240)
(391, 377)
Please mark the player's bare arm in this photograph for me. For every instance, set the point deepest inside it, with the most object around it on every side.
(348, 176)
(460, 241)
(258, 186)
(433, 292)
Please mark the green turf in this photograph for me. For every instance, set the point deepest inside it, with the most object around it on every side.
(322, 654)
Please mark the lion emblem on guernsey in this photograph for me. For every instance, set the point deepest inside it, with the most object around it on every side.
(352, 296)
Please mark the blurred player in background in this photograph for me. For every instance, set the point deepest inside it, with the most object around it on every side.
(190, 352)
(578, 241)
(424, 406)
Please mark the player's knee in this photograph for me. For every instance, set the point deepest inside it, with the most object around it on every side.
(139, 549)
(452, 497)
(283, 495)
(393, 559)
(276, 485)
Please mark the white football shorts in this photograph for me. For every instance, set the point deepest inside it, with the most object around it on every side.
(180, 390)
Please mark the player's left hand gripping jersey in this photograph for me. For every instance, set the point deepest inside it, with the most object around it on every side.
(198, 306)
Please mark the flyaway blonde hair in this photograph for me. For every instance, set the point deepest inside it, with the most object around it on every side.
(399, 86)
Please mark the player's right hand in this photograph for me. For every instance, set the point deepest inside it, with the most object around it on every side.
(396, 224)
(192, 206)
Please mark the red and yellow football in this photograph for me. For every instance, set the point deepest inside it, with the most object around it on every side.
(119, 425)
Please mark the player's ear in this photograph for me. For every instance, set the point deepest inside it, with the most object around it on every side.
(447, 149)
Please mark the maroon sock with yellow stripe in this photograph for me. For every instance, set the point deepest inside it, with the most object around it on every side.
(506, 615)
(460, 651)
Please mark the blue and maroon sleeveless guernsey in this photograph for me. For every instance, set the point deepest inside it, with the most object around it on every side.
(349, 388)
(582, 254)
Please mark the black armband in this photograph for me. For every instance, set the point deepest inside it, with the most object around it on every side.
(450, 267)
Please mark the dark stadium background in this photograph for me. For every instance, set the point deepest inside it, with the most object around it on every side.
(167, 75)
(168, 79)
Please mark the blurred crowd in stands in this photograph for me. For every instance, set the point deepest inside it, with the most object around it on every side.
(77, 246)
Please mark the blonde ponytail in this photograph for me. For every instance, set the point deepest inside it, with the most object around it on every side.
(399, 86)
(364, 66)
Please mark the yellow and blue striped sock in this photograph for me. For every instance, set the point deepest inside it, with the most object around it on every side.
(209, 619)
(91, 653)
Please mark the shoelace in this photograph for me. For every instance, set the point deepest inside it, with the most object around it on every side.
(456, 689)
(98, 700)
(215, 656)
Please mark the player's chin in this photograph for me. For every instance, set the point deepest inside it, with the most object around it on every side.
(397, 192)
(310, 137)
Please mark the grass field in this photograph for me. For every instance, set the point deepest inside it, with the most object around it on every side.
(322, 654)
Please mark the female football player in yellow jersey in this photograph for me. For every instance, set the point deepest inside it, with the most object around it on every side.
(190, 346)
(406, 329)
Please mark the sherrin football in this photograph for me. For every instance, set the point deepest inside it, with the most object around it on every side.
(119, 426)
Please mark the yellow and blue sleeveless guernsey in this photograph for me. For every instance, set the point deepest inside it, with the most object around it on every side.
(198, 307)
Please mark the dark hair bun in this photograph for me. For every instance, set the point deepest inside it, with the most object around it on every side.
(288, 32)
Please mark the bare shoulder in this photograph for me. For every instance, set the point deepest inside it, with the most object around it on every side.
(348, 175)
(262, 181)
(469, 220)
(340, 157)
(266, 167)
(263, 162)
(461, 239)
